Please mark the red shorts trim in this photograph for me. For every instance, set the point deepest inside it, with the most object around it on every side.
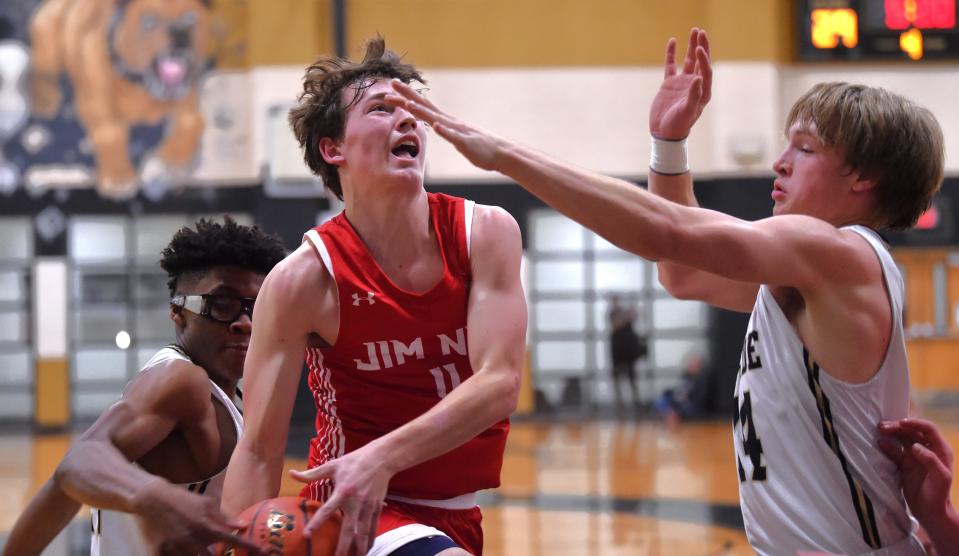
(463, 526)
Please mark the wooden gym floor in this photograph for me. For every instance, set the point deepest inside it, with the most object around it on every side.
(602, 488)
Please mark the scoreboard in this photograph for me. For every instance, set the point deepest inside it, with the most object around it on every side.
(909, 30)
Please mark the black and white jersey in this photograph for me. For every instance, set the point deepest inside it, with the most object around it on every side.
(811, 474)
(120, 534)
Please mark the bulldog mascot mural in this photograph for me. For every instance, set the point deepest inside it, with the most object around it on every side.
(130, 63)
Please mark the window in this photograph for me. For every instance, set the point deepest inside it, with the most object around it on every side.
(16, 354)
(120, 301)
(573, 273)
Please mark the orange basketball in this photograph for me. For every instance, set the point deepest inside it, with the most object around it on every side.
(276, 525)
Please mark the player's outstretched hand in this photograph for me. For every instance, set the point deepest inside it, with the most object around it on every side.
(683, 94)
(179, 522)
(480, 147)
(360, 484)
(925, 462)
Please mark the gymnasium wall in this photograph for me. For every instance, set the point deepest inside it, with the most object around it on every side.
(575, 79)
(509, 33)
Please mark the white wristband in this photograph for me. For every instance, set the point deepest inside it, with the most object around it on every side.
(668, 157)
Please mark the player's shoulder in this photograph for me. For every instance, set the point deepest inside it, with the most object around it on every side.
(303, 268)
(494, 221)
(833, 256)
(817, 236)
(864, 251)
(801, 226)
(296, 289)
(171, 384)
(496, 241)
(812, 230)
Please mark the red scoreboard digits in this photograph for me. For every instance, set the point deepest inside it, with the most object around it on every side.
(921, 14)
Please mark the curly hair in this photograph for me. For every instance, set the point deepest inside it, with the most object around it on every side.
(193, 251)
(320, 111)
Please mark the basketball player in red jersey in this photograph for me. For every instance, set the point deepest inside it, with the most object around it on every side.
(409, 308)
(153, 464)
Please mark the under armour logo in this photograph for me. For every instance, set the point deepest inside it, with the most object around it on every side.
(368, 298)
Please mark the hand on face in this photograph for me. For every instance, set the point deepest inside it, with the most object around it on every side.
(360, 488)
(479, 146)
(925, 463)
(682, 96)
(380, 143)
(180, 522)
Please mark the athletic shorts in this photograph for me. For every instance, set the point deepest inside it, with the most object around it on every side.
(402, 522)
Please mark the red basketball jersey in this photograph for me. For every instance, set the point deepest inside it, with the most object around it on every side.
(397, 354)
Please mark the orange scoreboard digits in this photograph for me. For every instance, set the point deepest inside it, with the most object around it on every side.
(831, 26)
(877, 30)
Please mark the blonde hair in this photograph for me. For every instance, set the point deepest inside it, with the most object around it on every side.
(882, 136)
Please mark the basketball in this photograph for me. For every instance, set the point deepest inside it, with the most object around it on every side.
(276, 525)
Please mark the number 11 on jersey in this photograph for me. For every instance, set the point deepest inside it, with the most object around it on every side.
(440, 378)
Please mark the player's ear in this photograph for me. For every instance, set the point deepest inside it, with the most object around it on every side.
(176, 315)
(863, 185)
(330, 151)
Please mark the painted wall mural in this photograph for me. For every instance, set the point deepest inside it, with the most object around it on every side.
(103, 92)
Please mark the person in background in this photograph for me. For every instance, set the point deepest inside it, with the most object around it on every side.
(626, 349)
(687, 400)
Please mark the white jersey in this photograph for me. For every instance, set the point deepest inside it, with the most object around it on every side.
(119, 534)
(810, 471)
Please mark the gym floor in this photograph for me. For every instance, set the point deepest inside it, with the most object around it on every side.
(598, 487)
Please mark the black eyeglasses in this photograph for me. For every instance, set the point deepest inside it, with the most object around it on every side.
(220, 308)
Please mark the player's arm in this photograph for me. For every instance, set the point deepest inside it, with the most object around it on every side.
(797, 251)
(94, 471)
(685, 282)
(496, 334)
(271, 373)
(46, 515)
(98, 468)
(680, 101)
